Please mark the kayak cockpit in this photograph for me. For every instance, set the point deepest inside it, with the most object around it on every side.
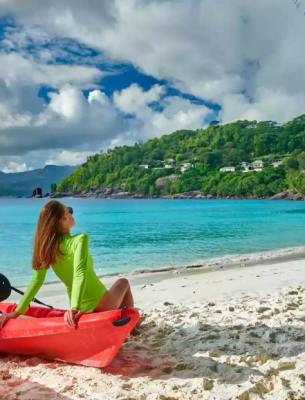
(35, 312)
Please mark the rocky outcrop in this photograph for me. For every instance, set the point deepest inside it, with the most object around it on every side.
(160, 182)
(37, 194)
(292, 195)
(195, 194)
(111, 193)
(101, 193)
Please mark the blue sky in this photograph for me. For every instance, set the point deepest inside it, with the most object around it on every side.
(119, 76)
(77, 77)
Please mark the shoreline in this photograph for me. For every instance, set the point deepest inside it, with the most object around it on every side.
(228, 261)
(115, 194)
(152, 276)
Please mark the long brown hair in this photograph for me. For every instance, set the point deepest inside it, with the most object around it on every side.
(48, 234)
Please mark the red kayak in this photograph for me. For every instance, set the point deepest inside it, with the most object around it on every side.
(95, 342)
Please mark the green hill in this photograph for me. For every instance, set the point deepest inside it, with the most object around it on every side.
(156, 166)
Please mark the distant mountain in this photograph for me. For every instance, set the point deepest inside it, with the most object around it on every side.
(23, 183)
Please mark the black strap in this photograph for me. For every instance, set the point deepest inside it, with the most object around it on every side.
(122, 311)
(33, 300)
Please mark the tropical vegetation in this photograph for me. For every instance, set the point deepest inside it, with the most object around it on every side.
(207, 151)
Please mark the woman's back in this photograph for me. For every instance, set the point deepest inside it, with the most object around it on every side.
(75, 269)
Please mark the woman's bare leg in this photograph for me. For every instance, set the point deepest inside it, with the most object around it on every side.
(128, 299)
(118, 296)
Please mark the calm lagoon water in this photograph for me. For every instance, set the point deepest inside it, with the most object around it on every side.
(127, 235)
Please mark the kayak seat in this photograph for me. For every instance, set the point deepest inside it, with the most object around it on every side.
(37, 312)
(56, 313)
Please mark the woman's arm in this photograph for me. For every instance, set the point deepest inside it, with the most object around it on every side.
(32, 290)
(80, 271)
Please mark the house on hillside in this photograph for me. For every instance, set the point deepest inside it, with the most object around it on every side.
(146, 166)
(227, 169)
(277, 163)
(246, 166)
(170, 163)
(257, 165)
(185, 167)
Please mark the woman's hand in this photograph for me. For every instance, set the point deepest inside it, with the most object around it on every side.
(5, 317)
(71, 316)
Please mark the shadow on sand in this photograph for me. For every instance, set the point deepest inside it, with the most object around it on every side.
(228, 353)
(12, 388)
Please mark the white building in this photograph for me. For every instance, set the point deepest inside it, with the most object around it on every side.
(227, 169)
(246, 166)
(257, 165)
(170, 163)
(185, 167)
(277, 163)
(146, 166)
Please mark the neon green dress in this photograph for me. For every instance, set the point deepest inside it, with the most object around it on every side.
(75, 270)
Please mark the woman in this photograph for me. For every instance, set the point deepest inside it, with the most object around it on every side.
(71, 261)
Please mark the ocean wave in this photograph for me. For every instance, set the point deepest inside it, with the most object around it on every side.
(221, 262)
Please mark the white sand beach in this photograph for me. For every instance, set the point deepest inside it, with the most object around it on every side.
(219, 333)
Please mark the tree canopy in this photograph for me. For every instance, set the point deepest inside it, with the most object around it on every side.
(207, 150)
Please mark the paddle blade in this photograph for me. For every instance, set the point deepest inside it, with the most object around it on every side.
(5, 288)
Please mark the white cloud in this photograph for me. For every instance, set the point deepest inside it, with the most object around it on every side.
(13, 166)
(174, 112)
(273, 105)
(69, 104)
(66, 157)
(23, 71)
(209, 49)
(134, 99)
(77, 126)
(179, 113)
(70, 120)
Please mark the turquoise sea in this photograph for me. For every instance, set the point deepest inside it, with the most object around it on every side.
(128, 235)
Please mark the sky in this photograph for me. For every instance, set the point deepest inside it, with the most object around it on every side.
(78, 77)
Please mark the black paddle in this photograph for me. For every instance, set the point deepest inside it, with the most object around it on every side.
(6, 289)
